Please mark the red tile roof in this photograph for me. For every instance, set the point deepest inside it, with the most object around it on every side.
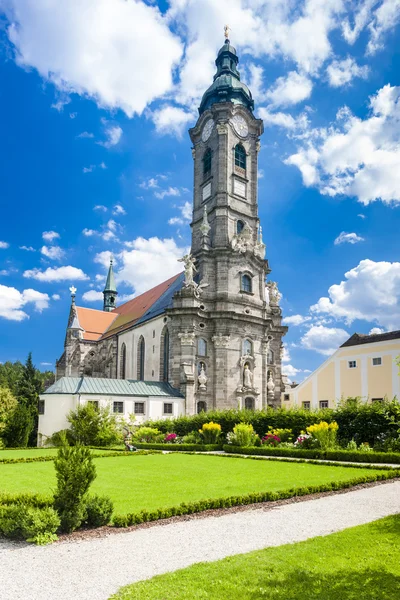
(94, 322)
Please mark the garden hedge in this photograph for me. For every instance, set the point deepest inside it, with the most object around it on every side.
(145, 516)
(342, 455)
(28, 459)
(361, 422)
(180, 447)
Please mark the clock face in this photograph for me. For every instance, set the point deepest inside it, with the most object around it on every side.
(239, 125)
(207, 129)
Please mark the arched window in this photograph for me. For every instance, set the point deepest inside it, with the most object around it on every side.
(201, 406)
(240, 157)
(141, 358)
(239, 226)
(270, 358)
(249, 403)
(164, 355)
(246, 283)
(247, 348)
(207, 162)
(122, 362)
(201, 347)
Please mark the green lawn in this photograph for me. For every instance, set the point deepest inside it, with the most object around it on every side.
(361, 563)
(32, 452)
(165, 480)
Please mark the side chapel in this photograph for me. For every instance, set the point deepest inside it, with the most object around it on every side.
(212, 334)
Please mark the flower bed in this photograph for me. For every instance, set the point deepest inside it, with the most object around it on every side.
(342, 455)
(180, 447)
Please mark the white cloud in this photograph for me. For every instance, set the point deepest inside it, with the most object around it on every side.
(172, 120)
(100, 207)
(89, 169)
(281, 119)
(13, 301)
(52, 252)
(148, 262)
(119, 53)
(27, 248)
(89, 232)
(186, 215)
(286, 355)
(290, 370)
(291, 89)
(92, 296)
(295, 320)
(50, 236)
(370, 292)
(256, 82)
(385, 18)
(356, 157)
(85, 134)
(376, 331)
(361, 216)
(324, 340)
(149, 183)
(113, 133)
(46, 364)
(341, 72)
(103, 258)
(170, 191)
(4, 245)
(51, 274)
(119, 210)
(349, 238)
(103, 165)
(56, 297)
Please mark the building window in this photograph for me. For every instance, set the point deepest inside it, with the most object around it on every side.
(41, 407)
(139, 408)
(380, 400)
(286, 397)
(377, 361)
(94, 403)
(323, 404)
(207, 163)
(201, 347)
(168, 408)
(249, 403)
(240, 157)
(141, 358)
(118, 407)
(122, 362)
(306, 405)
(154, 333)
(247, 348)
(239, 226)
(201, 407)
(246, 284)
(352, 364)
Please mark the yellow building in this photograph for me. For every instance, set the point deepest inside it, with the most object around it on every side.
(364, 366)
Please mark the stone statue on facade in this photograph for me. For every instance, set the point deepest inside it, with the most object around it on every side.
(190, 270)
(273, 293)
(241, 242)
(271, 387)
(202, 378)
(247, 377)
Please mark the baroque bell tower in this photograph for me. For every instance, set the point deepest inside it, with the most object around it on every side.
(228, 319)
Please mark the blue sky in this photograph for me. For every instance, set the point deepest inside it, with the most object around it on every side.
(95, 102)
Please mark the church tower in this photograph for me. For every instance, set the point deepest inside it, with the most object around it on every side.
(228, 320)
(110, 291)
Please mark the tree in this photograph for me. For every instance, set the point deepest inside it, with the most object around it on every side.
(8, 404)
(28, 389)
(19, 427)
(10, 374)
(94, 426)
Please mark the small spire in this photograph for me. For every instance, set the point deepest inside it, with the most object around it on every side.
(110, 283)
(110, 291)
(205, 226)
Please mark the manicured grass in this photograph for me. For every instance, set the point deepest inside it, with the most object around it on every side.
(361, 563)
(164, 480)
(32, 452)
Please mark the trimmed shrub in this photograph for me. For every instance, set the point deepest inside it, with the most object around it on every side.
(148, 435)
(21, 521)
(98, 511)
(75, 472)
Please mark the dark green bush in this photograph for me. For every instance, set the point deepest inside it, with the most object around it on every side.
(93, 426)
(98, 511)
(18, 427)
(27, 499)
(21, 521)
(181, 447)
(75, 472)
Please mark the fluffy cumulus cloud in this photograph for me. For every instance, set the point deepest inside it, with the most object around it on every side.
(356, 157)
(12, 302)
(4, 245)
(291, 89)
(283, 119)
(348, 238)
(93, 296)
(50, 236)
(185, 216)
(113, 134)
(342, 72)
(105, 50)
(172, 120)
(170, 191)
(324, 340)
(370, 291)
(51, 274)
(52, 252)
(295, 320)
(147, 262)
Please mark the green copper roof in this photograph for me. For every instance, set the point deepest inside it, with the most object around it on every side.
(112, 387)
(110, 283)
(227, 86)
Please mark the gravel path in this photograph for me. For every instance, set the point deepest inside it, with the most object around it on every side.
(94, 569)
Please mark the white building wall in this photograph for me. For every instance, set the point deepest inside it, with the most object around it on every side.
(56, 409)
(151, 331)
